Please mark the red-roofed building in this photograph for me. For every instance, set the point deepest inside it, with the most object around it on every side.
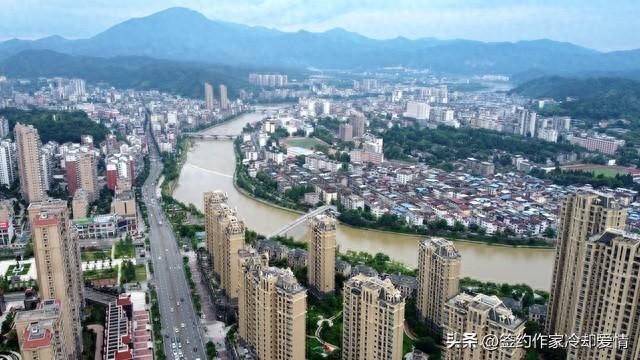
(127, 334)
(39, 332)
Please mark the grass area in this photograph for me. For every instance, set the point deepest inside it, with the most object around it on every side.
(141, 273)
(124, 248)
(94, 255)
(307, 143)
(13, 270)
(607, 172)
(407, 344)
(100, 274)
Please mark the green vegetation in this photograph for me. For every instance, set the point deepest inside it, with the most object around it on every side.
(124, 248)
(141, 273)
(95, 314)
(192, 286)
(157, 325)
(99, 274)
(606, 172)
(582, 177)
(442, 146)
(127, 272)
(426, 340)
(88, 343)
(211, 350)
(60, 126)
(103, 204)
(307, 143)
(288, 241)
(13, 270)
(380, 262)
(126, 72)
(595, 99)
(521, 292)
(539, 351)
(390, 222)
(94, 255)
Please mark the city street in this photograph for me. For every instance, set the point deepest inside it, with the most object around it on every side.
(177, 312)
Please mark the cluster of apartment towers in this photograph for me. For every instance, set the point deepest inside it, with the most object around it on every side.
(595, 289)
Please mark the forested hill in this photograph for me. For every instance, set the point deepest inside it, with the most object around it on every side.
(560, 88)
(59, 126)
(126, 72)
(594, 99)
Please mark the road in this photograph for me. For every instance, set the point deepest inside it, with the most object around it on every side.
(176, 307)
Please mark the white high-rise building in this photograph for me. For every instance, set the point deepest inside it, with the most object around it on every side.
(418, 110)
(7, 162)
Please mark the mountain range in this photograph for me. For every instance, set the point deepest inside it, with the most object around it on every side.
(180, 34)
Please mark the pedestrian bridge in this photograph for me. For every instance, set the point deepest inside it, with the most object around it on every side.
(290, 226)
(209, 136)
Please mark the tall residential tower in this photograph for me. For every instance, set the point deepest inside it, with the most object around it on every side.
(373, 318)
(28, 149)
(57, 259)
(438, 278)
(322, 255)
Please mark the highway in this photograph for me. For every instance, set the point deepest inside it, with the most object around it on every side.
(177, 312)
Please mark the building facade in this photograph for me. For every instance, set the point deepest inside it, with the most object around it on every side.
(29, 156)
(582, 215)
(322, 255)
(272, 308)
(481, 315)
(373, 318)
(40, 332)
(57, 259)
(438, 279)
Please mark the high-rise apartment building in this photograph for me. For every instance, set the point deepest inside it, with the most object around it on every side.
(80, 205)
(373, 318)
(224, 100)
(40, 332)
(357, 123)
(322, 255)
(32, 181)
(88, 174)
(57, 259)
(212, 202)
(582, 215)
(7, 163)
(438, 278)
(345, 132)
(481, 315)
(4, 127)
(225, 237)
(208, 95)
(610, 296)
(82, 173)
(272, 308)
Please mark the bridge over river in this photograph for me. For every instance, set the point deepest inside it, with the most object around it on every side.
(302, 219)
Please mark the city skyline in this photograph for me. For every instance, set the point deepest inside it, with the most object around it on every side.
(592, 24)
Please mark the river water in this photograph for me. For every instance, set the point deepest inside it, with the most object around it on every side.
(210, 166)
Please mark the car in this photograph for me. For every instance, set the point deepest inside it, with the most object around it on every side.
(177, 330)
(172, 309)
(177, 303)
(182, 325)
(179, 345)
(173, 345)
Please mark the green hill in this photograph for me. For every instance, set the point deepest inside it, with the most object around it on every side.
(60, 126)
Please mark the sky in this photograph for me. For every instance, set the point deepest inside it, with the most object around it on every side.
(605, 25)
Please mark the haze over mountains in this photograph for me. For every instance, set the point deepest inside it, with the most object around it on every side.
(181, 34)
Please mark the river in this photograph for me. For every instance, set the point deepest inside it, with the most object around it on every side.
(210, 166)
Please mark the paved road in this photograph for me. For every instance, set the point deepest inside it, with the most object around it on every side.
(176, 308)
(99, 330)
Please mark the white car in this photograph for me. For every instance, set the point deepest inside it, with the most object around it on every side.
(182, 325)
